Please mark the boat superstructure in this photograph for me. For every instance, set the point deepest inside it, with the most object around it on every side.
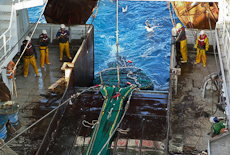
(200, 15)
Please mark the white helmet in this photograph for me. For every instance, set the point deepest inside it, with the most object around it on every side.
(62, 26)
(201, 32)
(27, 38)
(44, 31)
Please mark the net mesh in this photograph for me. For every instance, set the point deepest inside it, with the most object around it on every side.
(128, 73)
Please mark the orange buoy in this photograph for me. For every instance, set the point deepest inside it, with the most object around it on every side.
(10, 68)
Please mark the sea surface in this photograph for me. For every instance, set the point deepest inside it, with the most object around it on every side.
(149, 51)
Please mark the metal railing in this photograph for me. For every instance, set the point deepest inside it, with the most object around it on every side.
(226, 43)
(224, 55)
(3, 36)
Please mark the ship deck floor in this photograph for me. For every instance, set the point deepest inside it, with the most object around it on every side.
(146, 118)
(189, 112)
(33, 103)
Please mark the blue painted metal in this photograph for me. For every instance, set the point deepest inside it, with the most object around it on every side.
(3, 131)
(13, 119)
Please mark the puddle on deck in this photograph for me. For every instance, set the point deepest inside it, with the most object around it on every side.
(33, 137)
(146, 118)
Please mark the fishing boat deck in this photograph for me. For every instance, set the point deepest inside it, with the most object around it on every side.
(146, 118)
(189, 113)
(33, 100)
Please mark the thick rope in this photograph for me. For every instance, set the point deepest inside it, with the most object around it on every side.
(96, 129)
(94, 122)
(118, 124)
(15, 89)
(123, 61)
(97, 7)
(117, 33)
(134, 78)
(168, 4)
(122, 131)
(116, 68)
(73, 96)
(190, 23)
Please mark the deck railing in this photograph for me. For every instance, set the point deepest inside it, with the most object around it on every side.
(222, 30)
(22, 4)
(4, 39)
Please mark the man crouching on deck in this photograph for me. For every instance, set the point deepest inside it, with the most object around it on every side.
(28, 57)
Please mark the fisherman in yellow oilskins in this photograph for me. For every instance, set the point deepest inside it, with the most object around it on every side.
(63, 38)
(201, 47)
(44, 50)
(181, 37)
(28, 57)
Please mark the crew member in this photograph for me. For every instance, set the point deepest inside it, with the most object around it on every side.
(28, 57)
(63, 38)
(181, 38)
(44, 40)
(201, 47)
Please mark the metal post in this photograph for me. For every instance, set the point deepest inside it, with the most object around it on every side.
(51, 34)
(4, 43)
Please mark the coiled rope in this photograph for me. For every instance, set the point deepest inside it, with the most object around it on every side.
(134, 78)
(94, 122)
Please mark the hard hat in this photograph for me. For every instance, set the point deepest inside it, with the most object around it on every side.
(27, 38)
(62, 26)
(178, 25)
(44, 31)
(201, 32)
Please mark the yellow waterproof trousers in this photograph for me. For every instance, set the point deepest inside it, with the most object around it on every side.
(184, 49)
(44, 55)
(201, 53)
(65, 46)
(27, 61)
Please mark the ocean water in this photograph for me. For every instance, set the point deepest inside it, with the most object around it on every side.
(149, 51)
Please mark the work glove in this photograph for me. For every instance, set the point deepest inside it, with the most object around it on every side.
(206, 52)
(36, 57)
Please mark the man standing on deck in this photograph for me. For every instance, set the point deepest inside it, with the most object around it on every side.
(63, 38)
(43, 41)
(201, 47)
(181, 38)
(28, 56)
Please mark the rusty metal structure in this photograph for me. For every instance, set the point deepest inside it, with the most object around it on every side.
(69, 11)
(198, 15)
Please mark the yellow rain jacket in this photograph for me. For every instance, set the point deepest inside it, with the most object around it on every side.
(202, 45)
